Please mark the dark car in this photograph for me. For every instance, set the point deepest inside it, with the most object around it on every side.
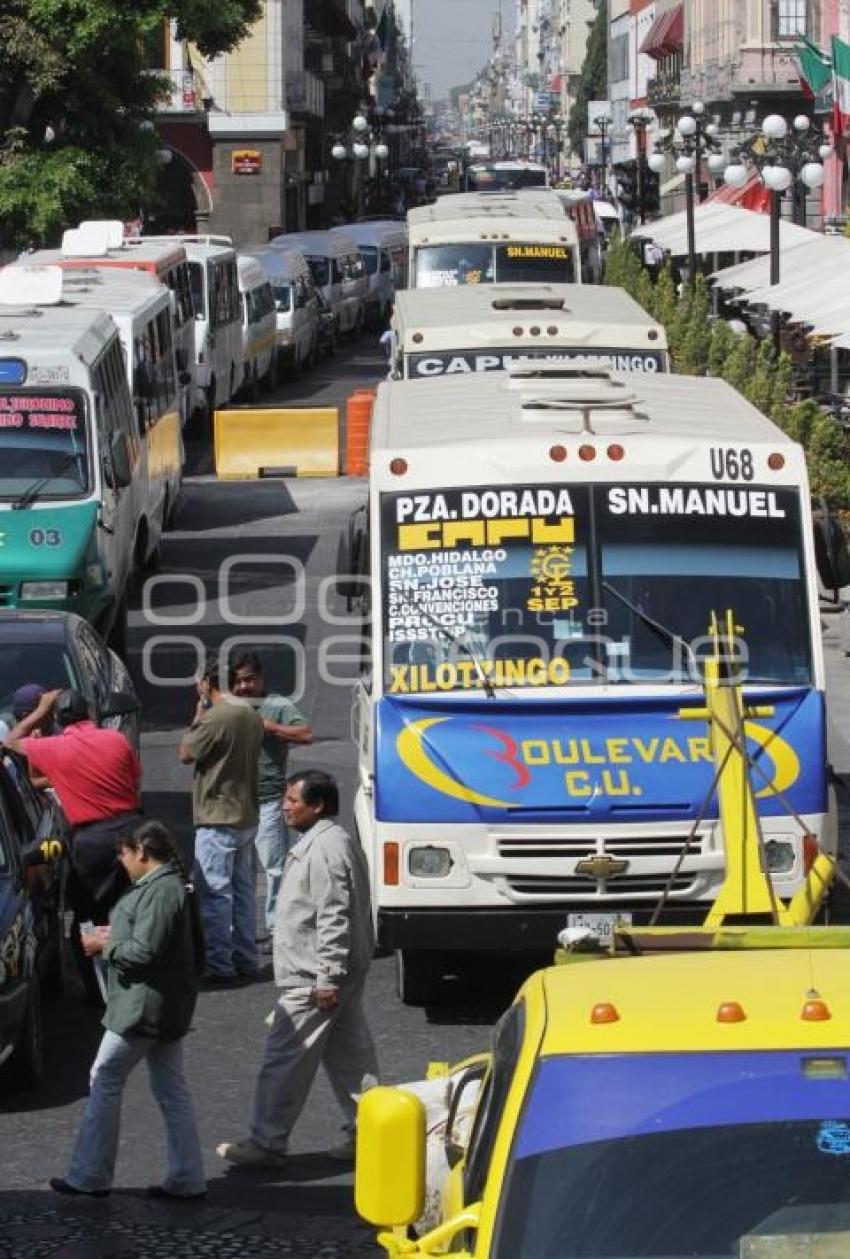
(58, 650)
(326, 334)
(34, 838)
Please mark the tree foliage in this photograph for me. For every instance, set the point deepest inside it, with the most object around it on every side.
(700, 346)
(593, 80)
(75, 100)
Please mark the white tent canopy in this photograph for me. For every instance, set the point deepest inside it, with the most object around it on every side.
(720, 228)
(814, 285)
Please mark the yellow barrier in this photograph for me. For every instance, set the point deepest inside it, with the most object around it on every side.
(292, 441)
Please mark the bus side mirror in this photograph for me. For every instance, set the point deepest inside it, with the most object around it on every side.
(831, 551)
(352, 563)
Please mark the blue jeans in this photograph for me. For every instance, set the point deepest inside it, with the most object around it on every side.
(96, 1144)
(272, 844)
(226, 872)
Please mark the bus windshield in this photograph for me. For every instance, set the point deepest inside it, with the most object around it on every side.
(43, 437)
(499, 179)
(650, 1155)
(444, 266)
(369, 255)
(507, 576)
(319, 269)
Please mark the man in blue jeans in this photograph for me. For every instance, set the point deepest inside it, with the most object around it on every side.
(224, 744)
(284, 725)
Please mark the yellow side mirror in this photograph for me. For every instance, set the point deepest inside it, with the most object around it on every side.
(389, 1180)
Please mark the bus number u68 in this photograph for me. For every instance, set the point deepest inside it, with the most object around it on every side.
(731, 465)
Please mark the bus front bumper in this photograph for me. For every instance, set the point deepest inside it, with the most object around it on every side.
(510, 930)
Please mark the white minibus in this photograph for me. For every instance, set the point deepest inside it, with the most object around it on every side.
(488, 249)
(259, 358)
(100, 243)
(337, 270)
(141, 309)
(218, 318)
(295, 303)
(509, 173)
(485, 328)
(545, 553)
(382, 244)
(70, 455)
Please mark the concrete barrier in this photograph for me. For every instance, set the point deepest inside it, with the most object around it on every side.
(250, 443)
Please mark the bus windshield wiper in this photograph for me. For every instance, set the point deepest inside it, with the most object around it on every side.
(457, 641)
(31, 493)
(655, 627)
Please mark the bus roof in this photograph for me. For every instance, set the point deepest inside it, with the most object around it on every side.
(537, 203)
(141, 254)
(539, 229)
(473, 315)
(377, 232)
(118, 292)
(670, 1003)
(47, 336)
(524, 411)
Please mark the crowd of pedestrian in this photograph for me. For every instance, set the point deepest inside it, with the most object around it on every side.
(163, 918)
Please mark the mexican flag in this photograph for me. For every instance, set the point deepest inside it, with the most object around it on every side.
(815, 71)
(841, 85)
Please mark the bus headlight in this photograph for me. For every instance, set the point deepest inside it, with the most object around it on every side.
(45, 589)
(780, 856)
(429, 862)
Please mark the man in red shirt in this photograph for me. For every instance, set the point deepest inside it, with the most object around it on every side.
(96, 776)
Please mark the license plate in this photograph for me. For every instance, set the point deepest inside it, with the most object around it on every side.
(602, 926)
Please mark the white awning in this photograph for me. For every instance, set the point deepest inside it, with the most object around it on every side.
(720, 228)
(814, 285)
(671, 185)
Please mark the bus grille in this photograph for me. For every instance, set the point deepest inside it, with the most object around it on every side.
(589, 889)
(577, 848)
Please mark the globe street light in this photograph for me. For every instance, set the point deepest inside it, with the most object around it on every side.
(690, 142)
(603, 122)
(784, 158)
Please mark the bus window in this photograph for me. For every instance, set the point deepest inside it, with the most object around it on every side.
(166, 383)
(196, 281)
(369, 254)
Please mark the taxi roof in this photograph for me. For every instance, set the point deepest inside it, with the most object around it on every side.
(456, 307)
(669, 1003)
(534, 403)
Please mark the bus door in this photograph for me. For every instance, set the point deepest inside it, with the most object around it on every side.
(157, 411)
(118, 459)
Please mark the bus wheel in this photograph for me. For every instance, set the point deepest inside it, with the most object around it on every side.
(419, 976)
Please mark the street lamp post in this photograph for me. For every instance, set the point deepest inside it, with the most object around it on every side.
(783, 158)
(640, 119)
(691, 141)
(557, 125)
(364, 143)
(603, 122)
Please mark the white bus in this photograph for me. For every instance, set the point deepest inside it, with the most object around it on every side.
(141, 309)
(259, 327)
(485, 328)
(218, 317)
(545, 551)
(491, 249)
(382, 244)
(509, 173)
(101, 243)
(70, 457)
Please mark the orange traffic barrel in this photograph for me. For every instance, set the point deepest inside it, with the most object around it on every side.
(358, 422)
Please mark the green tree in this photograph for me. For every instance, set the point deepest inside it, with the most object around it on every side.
(592, 82)
(666, 301)
(695, 331)
(719, 347)
(759, 387)
(75, 100)
(741, 362)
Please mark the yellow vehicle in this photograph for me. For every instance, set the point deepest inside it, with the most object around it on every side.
(691, 1103)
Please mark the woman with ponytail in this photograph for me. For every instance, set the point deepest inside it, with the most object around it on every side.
(153, 948)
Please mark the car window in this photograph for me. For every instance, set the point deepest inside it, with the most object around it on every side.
(94, 660)
(48, 664)
(507, 1041)
(18, 794)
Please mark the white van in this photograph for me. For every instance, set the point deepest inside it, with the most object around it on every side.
(382, 244)
(259, 360)
(337, 270)
(485, 328)
(70, 489)
(218, 318)
(141, 309)
(296, 305)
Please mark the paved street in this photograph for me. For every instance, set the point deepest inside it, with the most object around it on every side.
(306, 1209)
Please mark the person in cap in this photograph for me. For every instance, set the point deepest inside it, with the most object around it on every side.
(96, 776)
(24, 701)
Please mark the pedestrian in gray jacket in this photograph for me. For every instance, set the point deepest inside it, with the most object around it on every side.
(153, 949)
(323, 944)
